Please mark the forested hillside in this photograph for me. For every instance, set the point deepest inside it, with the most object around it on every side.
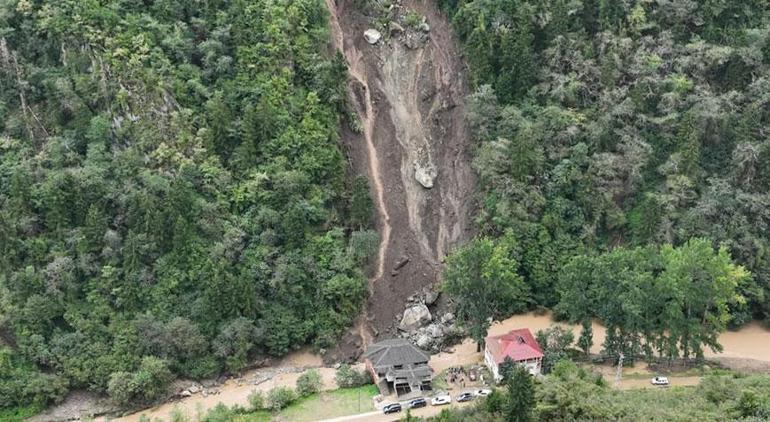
(601, 124)
(173, 199)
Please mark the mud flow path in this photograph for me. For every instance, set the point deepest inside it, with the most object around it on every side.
(409, 97)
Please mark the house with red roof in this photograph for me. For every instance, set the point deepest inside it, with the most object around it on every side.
(517, 344)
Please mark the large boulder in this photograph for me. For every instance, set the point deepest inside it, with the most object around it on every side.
(425, 173)
(372, 36)
(414, 317)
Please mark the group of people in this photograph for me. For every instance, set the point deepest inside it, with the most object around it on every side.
(458, 375)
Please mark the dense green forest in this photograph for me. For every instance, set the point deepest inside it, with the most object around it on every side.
(173, 199)
(603, 124)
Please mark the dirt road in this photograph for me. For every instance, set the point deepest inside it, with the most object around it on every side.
(410, 103)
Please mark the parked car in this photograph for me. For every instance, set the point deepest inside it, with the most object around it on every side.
(391, 408)
(465, 397)
(415, 403)
(441, 399)
(659, 381)
(482, 392)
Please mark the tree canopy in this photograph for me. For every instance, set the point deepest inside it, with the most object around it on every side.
(605, 124)
(172, 193)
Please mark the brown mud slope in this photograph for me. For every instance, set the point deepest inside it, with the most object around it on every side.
(410, 102)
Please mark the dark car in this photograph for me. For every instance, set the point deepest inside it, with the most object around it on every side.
(414, 404)
(392, 408)
(465, 397)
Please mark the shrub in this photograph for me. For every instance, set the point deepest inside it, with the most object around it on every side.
(178, 416)
(256, 400)
(150, 382)
(309, 383)
(347, 377)
(412, 19)
(280, 397)
(219, 413)
(121, 387)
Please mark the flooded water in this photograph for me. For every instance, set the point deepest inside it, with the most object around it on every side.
(233, 394)
(750, 342)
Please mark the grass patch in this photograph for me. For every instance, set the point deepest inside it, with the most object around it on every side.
(18, 414)
(324, 405)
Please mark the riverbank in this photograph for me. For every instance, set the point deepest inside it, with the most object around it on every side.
(235, 391)
(745, 350)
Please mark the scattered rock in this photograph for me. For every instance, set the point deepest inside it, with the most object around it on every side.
(76, 406)
(424, 341)
(395, 28)
(372, 36)
(415, 40)
(403, 261)
(194, 389)
(400, 264)
(448, 318)
(425, 174)
(430, 296)
(186, 393)
(424, 27)
(414, 317)
(436, 330)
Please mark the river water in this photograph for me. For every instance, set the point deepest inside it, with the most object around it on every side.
(749, 344)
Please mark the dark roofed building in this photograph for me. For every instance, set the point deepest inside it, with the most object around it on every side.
(397, 365)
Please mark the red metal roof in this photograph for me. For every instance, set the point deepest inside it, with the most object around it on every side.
(519, 344)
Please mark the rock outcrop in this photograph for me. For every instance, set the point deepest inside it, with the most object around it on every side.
(415, 317)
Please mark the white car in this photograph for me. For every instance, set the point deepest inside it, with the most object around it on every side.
(482, 392)
(441, 399)
(659, 381)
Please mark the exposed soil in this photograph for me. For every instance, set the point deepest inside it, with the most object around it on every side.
(410, 102)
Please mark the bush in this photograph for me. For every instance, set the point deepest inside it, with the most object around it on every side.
(718, 389)
(219, 413)
(149, 383)
(178, 416)
(256, 400)
(121, 387)
(280, 397)
(412, 19)
(494, 402)
(348, 377)
(309, 383)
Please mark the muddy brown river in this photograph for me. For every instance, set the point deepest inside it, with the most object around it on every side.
(751, 342)
(743, 348)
